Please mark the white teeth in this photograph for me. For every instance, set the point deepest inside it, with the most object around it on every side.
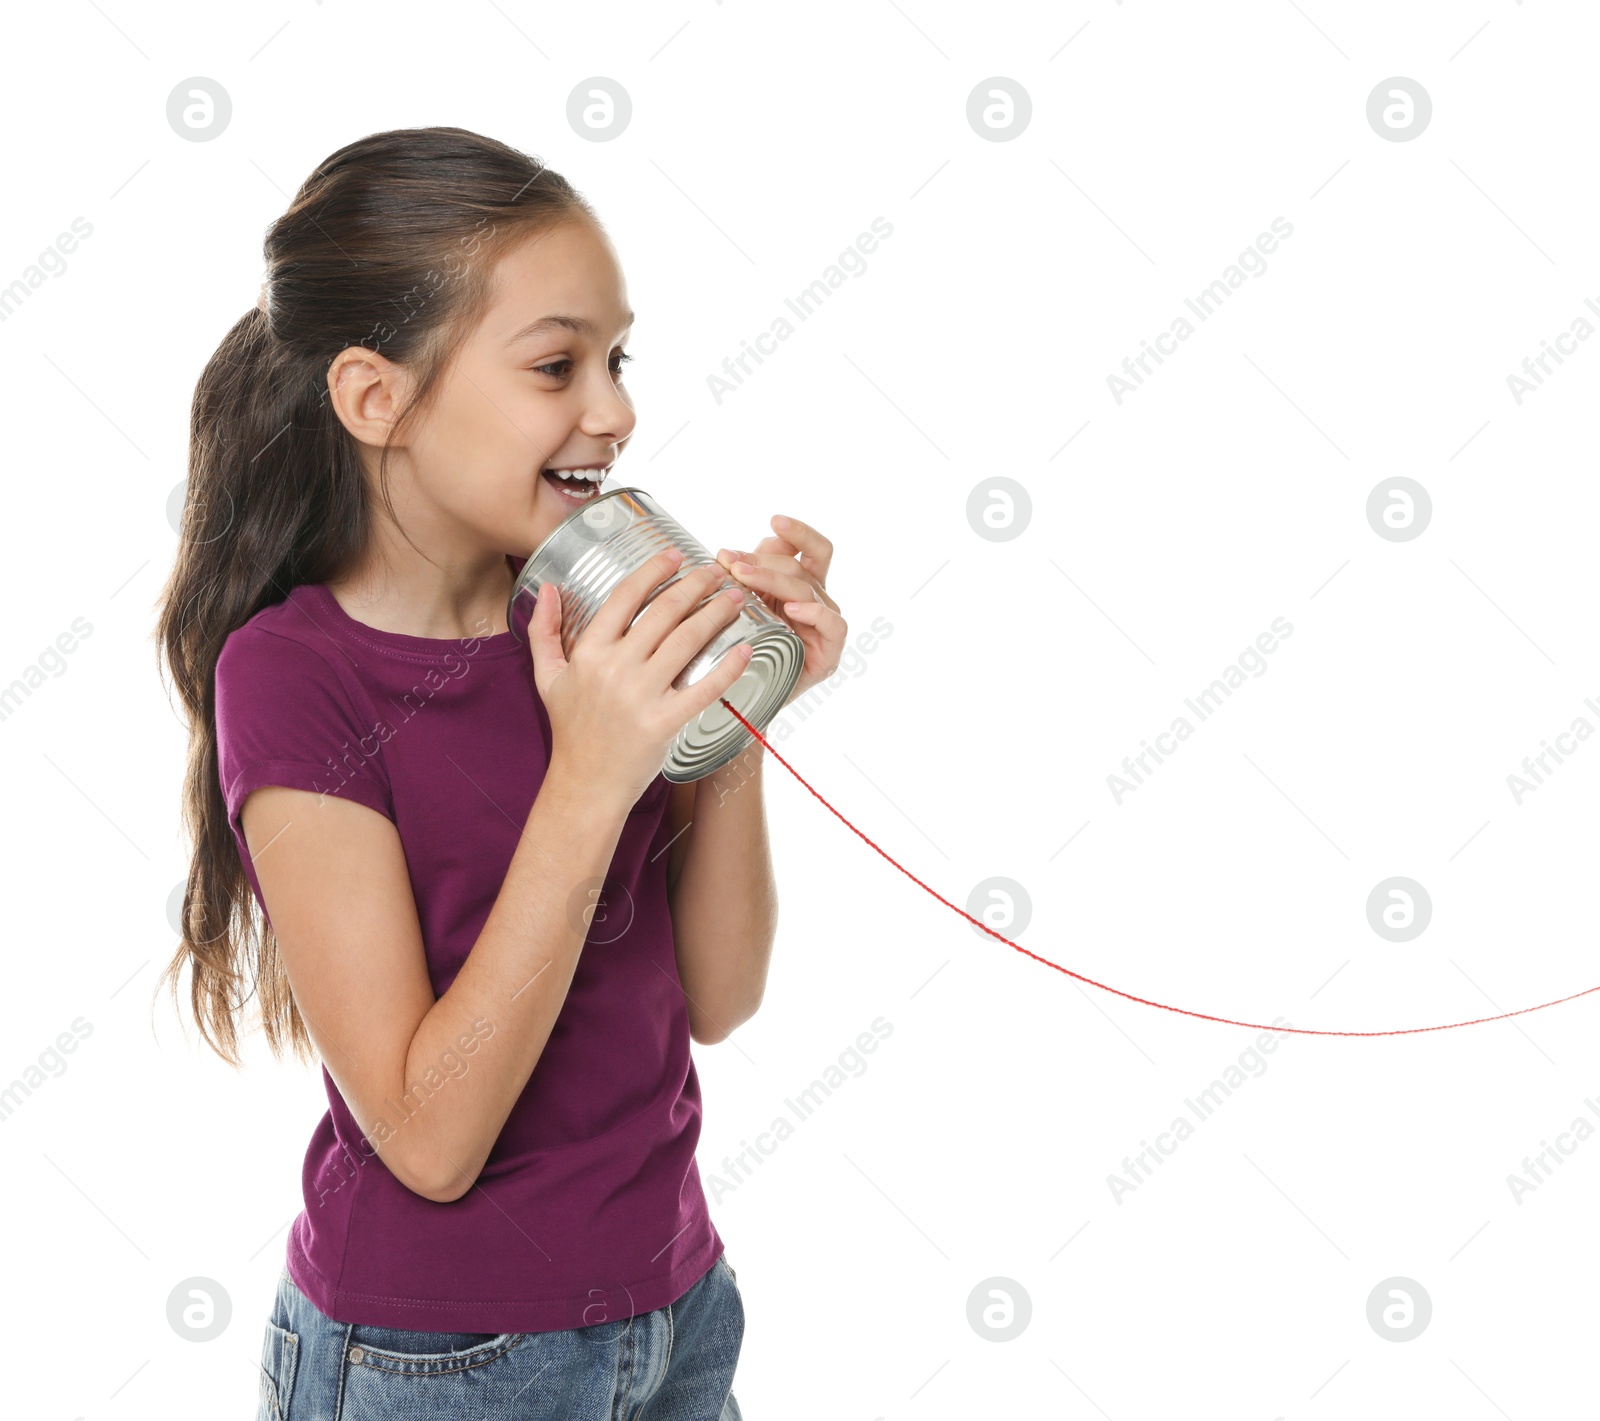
(593, 476)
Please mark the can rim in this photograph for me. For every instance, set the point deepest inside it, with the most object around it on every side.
(522, 582)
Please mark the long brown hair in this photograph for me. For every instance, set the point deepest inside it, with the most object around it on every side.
(388, 245)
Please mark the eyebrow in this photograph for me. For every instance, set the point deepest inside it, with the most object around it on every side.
(581, 324)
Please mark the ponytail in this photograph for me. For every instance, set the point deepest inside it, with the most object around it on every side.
(389, 245)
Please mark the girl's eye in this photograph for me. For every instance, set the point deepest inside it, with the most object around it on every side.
(559, 369)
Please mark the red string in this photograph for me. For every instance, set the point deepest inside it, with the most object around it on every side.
(1143, 1001)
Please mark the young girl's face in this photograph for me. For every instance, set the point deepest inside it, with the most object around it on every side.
(536, 387)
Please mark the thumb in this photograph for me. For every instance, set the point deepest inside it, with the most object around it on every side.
(544, 633)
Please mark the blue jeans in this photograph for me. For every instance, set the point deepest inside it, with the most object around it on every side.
(673, 1364)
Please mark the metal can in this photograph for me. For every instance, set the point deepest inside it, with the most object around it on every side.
(597, 546)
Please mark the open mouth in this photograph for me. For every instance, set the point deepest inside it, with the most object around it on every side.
(576, 486)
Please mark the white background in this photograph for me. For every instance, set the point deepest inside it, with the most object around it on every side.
(1231, 489)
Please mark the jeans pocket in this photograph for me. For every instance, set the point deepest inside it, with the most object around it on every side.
(416, 1353)
(391, 1373)
(722, 1258)
(280, 1359)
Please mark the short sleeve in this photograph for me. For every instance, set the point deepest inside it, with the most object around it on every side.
(285, 717)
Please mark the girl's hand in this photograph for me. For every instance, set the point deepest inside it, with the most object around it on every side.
(787, 572)
(612, 706)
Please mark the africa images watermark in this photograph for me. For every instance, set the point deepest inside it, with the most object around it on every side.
(1536, 1170)
(1204, 704)
(367, 747)
(52, 660)
(1205, 1104)
(1251, 261)
(852, 663)
(1536, 367)
(1567, 741)
(804, 304)
(409, 303)
(52, 260)
(736, 1169)
(49, 1063)
(453, 1064)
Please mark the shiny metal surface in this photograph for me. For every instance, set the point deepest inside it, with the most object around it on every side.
(606, 540)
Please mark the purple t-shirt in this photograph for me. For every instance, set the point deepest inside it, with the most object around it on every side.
(589, 1207)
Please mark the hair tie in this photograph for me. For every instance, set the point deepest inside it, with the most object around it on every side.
(261, 300)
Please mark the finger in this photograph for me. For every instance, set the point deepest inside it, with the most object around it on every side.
(748, 581)
(781, 561)
(777, 562)
(830, 626)
(769, 549)
(729, 558)
(816, 552)
(544, 633)
(782, 566)
(672, 604)
(619, 609)
(690, 636)
(772, 543)
(714, 684)
(776, 580)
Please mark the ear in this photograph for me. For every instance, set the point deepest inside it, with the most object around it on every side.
(367, 391)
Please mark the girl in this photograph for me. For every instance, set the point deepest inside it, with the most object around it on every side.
(502, 1215)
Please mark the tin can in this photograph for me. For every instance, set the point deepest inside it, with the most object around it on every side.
(597, 546)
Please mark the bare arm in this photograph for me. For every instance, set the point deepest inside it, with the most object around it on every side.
(723, 894)
(334, 880)
(720, 882)
(334, 877)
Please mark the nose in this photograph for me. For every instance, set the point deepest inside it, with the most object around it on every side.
(608, 413)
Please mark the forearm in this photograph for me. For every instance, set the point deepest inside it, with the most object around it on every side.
(724, 900)
(505, 1000)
